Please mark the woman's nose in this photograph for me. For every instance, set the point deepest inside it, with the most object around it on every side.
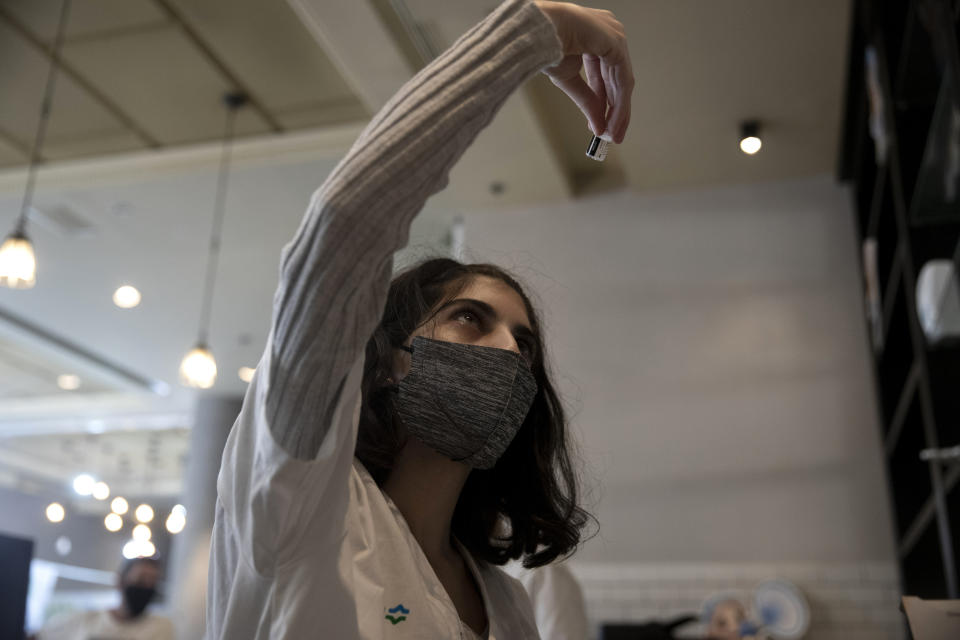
(502, 338)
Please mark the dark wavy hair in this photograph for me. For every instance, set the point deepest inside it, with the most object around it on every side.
(526, 505)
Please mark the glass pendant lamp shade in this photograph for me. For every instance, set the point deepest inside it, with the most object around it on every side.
(198, 368)
(18, 264)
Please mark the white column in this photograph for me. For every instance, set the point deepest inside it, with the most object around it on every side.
(190, 550)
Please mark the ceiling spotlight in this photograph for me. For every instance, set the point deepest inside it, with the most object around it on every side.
(126, 297)
(113, 522)
(142, 533)
(83, 484)
(101, 491)
(176, 523)
(246, 373)
(68, 382)
(179, 510)
(119, 506)
(55, 512)
(144, 513)
(136, 549)
(750, 137)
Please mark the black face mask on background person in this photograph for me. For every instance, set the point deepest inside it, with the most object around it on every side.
(465, 401)
(136, 599)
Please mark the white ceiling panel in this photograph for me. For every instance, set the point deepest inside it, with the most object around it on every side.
(11, 152)
(87, 17)
(268, 48)
(23, 74)
(173, 90)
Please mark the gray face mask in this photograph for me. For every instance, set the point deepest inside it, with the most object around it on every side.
(464, 401)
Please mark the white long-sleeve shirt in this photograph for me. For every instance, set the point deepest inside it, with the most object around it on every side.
(305, 544)
(558, 605)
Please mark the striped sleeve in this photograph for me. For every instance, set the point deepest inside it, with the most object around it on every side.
(335, 272)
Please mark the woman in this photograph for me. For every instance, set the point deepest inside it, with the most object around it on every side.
(309, 542)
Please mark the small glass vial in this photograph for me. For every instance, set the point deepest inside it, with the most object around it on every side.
(597, 149)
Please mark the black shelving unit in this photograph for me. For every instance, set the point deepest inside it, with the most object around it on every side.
(907, 201)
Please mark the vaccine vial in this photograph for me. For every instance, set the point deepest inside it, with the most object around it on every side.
(597, 149)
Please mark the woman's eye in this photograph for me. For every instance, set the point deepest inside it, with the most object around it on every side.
(467, 317)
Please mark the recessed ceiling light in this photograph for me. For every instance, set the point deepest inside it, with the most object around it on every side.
(144, 513)
(101, 491)
(119, 506)
(246, 373)
(126, 297)
(68, 382)
(55, 512)
(141, 533)
(113, 522)
(83, 484)
(750, 137)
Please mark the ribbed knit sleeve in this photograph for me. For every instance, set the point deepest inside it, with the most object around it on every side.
(334, 274)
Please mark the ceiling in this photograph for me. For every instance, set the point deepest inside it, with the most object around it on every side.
(149, 74)
(125, 194)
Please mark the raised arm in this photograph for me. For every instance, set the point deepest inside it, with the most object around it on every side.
(335, 272)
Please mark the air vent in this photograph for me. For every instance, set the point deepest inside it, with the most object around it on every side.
(62, 220)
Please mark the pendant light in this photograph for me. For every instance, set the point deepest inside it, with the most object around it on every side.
(18, 264)
(199, 368)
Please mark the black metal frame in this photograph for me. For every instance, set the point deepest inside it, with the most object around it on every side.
(916, 47)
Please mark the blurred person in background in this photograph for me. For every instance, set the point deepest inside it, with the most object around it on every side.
(137, 582)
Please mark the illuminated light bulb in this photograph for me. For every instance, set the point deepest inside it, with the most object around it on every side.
(179, 510)
(83, 484)
(147, 549)
(126, 297)
(246, 373)
(750, 145)
(131, 550)
(68, 382)
(176, 523)
(750, 137)
(113, 522)
(18, 264)
(55, 512)
(119, 505)
(144, 513)
(198, 368)
(101, 490)
(142, 533)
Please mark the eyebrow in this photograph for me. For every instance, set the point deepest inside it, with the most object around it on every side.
(486, 309)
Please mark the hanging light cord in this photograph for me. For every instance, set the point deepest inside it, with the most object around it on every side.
(44, 118)
(233, 101)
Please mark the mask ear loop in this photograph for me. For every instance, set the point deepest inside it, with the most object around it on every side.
(396, 387)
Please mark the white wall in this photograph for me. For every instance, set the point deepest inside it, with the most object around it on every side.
(712, 348)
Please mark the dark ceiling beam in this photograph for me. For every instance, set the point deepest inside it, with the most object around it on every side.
(74, 75)
(232, 79)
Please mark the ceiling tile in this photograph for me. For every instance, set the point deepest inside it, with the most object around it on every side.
(23, 73)
(87, 18)
(164, 81)
(265, 44)
(11, 155)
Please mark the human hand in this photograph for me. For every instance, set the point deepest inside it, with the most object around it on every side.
(595, 40)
